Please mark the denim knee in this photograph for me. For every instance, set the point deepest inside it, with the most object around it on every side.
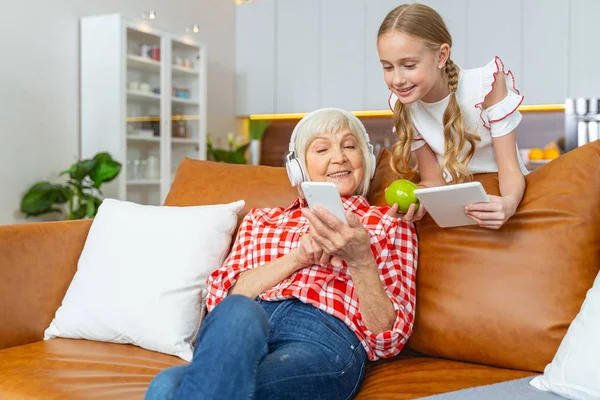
(165, 384)
(240, 315)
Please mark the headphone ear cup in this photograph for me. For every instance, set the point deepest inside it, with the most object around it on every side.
(294, 171)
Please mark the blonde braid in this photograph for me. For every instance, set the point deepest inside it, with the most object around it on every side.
(401, 150)
(455, 134)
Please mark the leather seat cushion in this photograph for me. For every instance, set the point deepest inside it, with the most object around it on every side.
(72, 369)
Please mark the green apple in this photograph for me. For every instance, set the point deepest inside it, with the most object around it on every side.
(402, 192)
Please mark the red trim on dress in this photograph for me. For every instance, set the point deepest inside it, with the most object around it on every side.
(499, 67)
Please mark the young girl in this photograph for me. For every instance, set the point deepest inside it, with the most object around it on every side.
(454, 122)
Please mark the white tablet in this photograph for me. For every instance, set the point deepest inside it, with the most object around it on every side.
(446, 204)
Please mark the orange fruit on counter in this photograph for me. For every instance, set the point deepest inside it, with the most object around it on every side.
(551, 153)
(536, 154)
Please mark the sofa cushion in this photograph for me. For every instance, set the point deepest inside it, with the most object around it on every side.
(141, 275)
(207, 182)
(414, 377)
(77, 369)
(507, 297)
(575, 371)
(70, 369)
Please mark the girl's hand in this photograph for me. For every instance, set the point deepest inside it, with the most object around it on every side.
(491, 215)
(309, 253)
(338, 240)
(410, 216)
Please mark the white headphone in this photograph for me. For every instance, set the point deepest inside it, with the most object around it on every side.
(294, 169)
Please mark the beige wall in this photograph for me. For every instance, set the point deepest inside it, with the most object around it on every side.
(39, 80)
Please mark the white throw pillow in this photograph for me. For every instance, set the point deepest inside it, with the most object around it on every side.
(574, 372)
(141, 275)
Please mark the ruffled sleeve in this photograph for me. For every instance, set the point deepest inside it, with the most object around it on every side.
(503, 117)
(418, 140)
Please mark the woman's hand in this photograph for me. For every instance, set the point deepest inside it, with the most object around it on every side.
(309, 253)
(494, 214)
(411, 215)
(338, 240)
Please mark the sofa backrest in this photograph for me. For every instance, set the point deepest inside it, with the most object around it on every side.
(507, 297)
(502, 298)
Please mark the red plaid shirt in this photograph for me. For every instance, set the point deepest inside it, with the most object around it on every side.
(267, 234)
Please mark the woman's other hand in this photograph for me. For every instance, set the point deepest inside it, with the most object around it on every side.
(348, 242)
(309, 253)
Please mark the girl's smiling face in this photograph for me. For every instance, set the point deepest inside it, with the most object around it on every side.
(411, 69)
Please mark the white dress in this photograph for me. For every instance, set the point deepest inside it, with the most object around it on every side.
(473, 86)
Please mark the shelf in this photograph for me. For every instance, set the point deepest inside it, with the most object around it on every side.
(156, 119)
(146, 96)
(134, 138)
(184, 141)
(143, 63)
(588, 118)
(190, 102)
(182, 71)
(150, 90)
(143, 182)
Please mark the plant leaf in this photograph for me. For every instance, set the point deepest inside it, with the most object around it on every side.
(80, 169)
(105, 170)
(257, 128)
(90, 209)
(40, 198)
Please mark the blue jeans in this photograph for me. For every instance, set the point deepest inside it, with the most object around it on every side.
(267, 350)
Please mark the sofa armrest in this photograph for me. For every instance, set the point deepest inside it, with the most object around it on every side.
(37, 264)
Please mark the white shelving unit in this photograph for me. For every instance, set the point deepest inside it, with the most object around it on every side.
(143, 100)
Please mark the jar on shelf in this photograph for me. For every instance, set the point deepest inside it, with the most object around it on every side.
(179, 129)
(153, 166)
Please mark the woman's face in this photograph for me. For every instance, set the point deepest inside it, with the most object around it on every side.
(336, 158)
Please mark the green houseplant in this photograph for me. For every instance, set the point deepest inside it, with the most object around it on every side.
(234, 155)
(80, 196)
(256, 130)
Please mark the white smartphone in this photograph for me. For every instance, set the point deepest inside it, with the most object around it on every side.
(326, 195)
(446, 204)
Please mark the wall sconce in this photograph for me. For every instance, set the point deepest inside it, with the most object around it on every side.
(193, 28)
(151, 14)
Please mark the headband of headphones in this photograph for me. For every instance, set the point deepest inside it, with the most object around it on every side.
(348, 115)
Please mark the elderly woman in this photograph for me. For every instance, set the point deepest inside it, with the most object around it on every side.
(304, 300)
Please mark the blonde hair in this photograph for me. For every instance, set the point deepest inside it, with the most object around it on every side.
(424, 23)
(329, 121)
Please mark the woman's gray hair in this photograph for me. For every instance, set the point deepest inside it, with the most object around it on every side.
(328, 121)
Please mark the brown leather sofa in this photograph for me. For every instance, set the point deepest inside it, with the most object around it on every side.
(491, 305)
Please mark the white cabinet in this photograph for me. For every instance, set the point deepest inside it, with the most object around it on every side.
(544, 77)
(297, 55)
(143, 100)
(583, 56)
(321, 53)
(494, 29)
(376, 91)
(342, 58)
(255, 57)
